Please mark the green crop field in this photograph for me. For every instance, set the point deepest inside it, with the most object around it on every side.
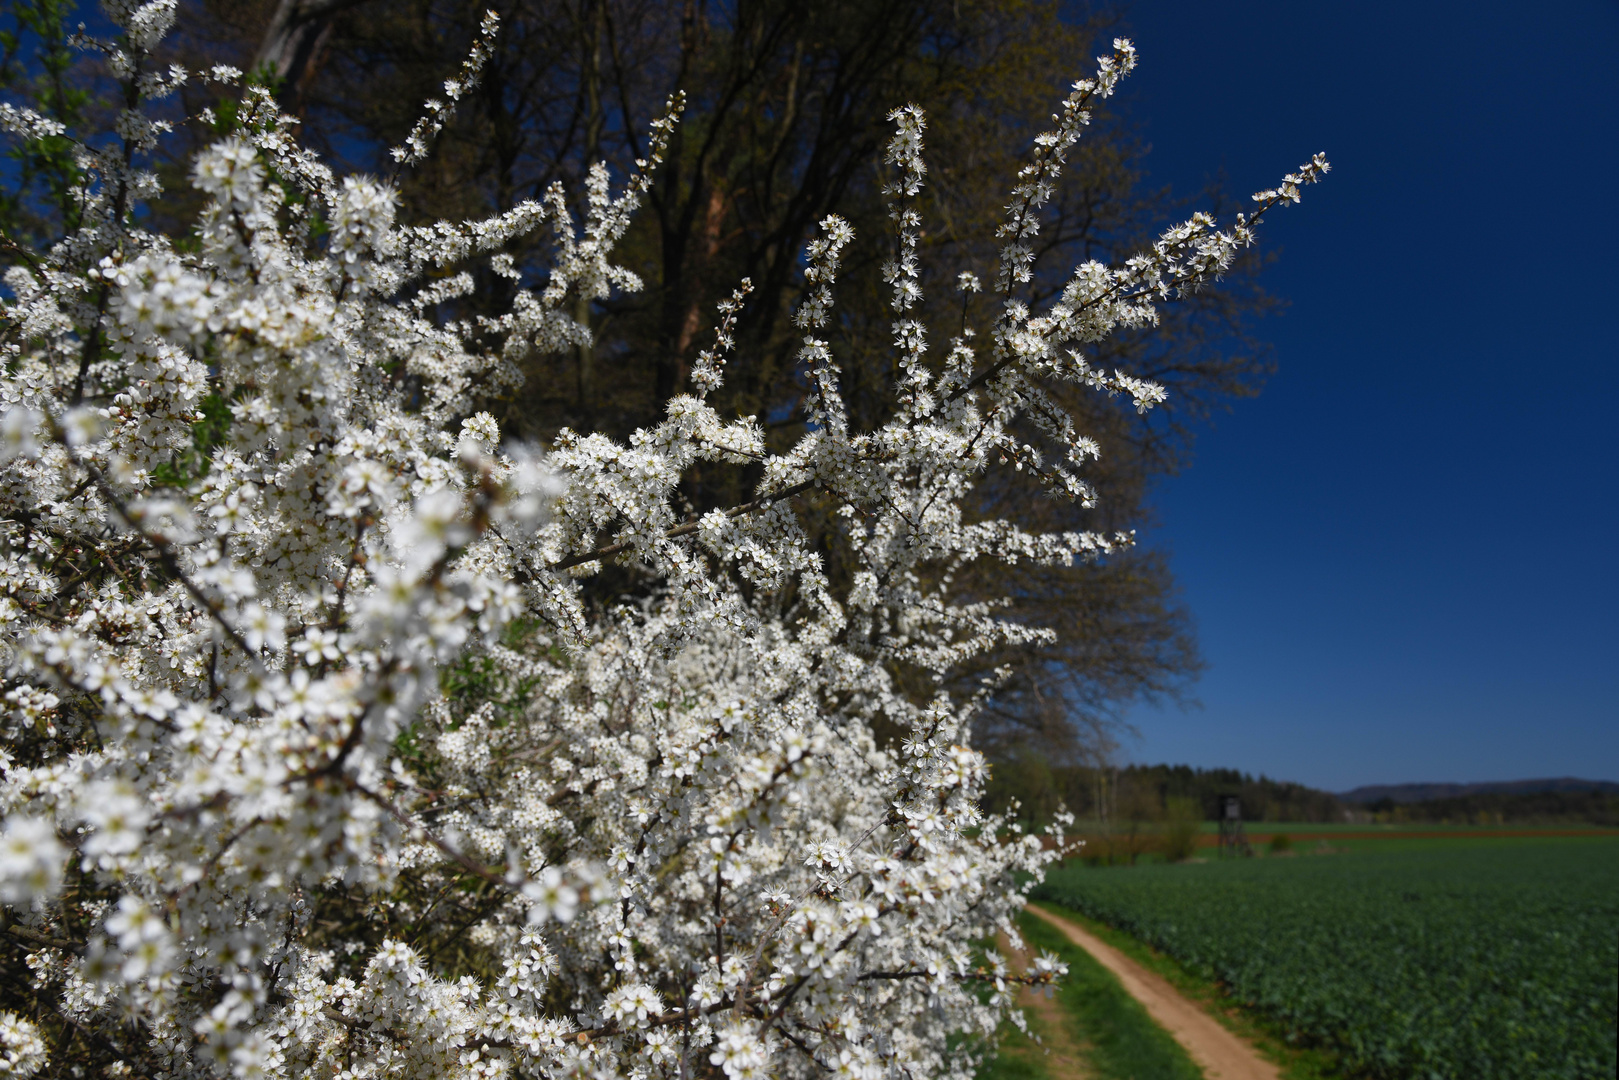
(1478, 959)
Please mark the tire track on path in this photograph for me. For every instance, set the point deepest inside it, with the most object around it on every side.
(1220, 1054)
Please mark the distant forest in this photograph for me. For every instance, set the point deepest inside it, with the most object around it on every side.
(1150, 793)
(1140, 793)
(1540, 807)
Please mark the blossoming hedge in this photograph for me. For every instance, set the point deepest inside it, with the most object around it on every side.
(314, 761)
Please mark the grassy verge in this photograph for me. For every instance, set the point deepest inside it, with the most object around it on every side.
(1296, 1063)
(1115, 1036)
(1019, 1058)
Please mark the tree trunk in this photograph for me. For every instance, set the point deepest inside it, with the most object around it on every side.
(294, 38)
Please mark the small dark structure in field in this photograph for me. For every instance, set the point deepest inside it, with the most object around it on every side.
(1233, 841)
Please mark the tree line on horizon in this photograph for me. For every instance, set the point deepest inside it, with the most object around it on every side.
(1142, 797)
(1503, 808)
(1146, 794)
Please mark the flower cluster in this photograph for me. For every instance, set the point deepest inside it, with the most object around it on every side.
(313, 762)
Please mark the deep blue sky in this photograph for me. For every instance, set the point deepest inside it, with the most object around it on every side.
(1401, 556)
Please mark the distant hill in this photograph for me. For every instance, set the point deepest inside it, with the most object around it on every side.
(1414, 793)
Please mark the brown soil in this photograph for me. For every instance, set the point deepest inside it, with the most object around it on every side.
(1210, 840)
(1220, 1054)
(1454, 834)
(1063, 1060)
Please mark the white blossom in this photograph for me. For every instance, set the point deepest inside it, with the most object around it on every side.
(30, 860)
(277, 708)
(22, 1051)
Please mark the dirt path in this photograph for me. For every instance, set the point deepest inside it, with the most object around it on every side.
(1219, 1053)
